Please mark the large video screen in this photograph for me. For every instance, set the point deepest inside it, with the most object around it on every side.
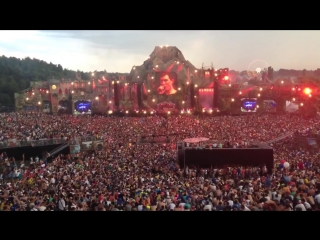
(206, 98)
(166, 83)
(248, 104)
(82, 107)
(163, 88)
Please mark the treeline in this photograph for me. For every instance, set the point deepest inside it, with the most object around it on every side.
(297, 73)
(16, 75)
(288, 73)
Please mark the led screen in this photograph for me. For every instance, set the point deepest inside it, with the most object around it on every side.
(248, 105)
(82, 107)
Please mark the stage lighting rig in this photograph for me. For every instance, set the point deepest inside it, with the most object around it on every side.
(223, 75)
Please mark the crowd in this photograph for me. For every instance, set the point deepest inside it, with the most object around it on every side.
(145, 177)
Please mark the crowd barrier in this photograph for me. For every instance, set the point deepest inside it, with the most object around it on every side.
(13, 143)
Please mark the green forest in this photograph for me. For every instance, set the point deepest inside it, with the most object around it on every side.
(16, 75)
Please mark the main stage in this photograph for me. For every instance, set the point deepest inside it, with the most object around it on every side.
(260, 154)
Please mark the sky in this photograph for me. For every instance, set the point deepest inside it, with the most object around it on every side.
(119, 51)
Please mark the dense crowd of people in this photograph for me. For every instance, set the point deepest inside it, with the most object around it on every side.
(126, 176)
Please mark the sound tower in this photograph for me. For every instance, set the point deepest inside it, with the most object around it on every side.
(216, 90)
(139, 93)
(192, 102)
(116, 94)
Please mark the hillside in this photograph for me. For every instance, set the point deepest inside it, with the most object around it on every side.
(16, 75)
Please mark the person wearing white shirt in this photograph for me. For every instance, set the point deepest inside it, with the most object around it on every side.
(62, 204)
(246, 209)
(181, 205)
(301, 206)
(317, 198)
(172, 206)
(52, 180)
(207, 207)
(306, 204)
(140, 207)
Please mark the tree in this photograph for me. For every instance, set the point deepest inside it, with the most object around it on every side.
(5, 99)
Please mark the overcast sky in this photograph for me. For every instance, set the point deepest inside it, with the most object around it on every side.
(118, 51)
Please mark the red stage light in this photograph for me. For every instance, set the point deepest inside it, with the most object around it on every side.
(307, 91)
(226, 78)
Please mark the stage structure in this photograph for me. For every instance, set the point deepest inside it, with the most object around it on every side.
(165, 83)
(100, 94)
(170, 83)
(205, 157)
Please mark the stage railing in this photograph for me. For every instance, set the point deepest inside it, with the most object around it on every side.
(13, 143)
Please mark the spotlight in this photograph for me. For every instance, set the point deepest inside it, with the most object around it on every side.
(307, 91)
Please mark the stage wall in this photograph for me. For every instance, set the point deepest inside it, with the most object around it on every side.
(226, 156)
(128, 96)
